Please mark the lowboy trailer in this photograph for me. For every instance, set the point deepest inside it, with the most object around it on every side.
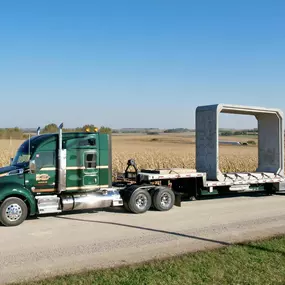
(64, 172)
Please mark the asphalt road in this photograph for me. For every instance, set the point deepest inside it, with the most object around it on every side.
(65, 243)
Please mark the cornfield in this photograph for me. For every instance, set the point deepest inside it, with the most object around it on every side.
(159, 159)
(150, 153)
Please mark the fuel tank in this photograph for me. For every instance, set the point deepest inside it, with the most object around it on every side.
(100, 199)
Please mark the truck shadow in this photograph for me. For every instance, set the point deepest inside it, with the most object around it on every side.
(236, 195)
(145, 229)
(122, 210)
(218, 242)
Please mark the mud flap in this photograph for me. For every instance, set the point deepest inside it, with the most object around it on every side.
(177, 200)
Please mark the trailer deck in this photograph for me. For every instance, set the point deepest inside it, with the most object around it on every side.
(243, 178)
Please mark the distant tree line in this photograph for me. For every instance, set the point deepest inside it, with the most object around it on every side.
(17, 133)
(150, 131)
(177, 130)
(239, 133)
(53, 128)
(135, 130)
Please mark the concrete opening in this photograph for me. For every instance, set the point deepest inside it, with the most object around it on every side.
(270, 141)
(238, 143)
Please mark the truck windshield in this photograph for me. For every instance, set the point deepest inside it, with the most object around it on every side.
(22, 156)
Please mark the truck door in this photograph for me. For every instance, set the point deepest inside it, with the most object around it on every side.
(44, 178)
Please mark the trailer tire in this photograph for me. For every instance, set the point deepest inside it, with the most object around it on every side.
(139, 201)
(13, 212)
(163, 199)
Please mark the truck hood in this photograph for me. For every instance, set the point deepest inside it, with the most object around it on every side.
(11, 179)
(7, 169)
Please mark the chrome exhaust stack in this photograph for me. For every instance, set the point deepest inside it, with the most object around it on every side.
(38, 131)
(61, 163)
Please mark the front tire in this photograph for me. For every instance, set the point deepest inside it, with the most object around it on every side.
(13, 212)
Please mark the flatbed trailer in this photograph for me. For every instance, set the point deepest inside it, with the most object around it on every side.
(236, 182)
(192, 185)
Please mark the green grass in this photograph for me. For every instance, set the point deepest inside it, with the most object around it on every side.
(259, 263)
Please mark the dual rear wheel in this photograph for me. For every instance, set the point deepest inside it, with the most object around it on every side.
(140, 199)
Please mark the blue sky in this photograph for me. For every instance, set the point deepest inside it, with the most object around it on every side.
(138, 63)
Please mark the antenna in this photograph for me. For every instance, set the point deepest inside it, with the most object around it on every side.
(29, 145)
(60, 136)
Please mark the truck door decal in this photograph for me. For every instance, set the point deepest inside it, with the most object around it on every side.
(42, 178)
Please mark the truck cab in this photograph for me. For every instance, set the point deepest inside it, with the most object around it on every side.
(55, 172)
(64, 172)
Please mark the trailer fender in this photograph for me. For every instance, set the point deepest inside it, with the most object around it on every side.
(127, 192)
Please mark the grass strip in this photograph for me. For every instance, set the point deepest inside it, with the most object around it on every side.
(261, 262)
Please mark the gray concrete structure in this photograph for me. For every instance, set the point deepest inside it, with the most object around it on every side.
(270, 141)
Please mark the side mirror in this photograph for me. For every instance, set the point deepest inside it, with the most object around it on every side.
(32, 166)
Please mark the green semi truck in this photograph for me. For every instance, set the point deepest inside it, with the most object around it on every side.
(52, 173)
(65, 172)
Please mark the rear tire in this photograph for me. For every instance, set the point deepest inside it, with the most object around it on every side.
(140, 201)
(13, 212)
(126, 206)
(163, 199)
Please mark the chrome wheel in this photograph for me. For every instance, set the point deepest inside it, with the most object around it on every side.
(13, 212)
(138, 200)
(165, 199)
(141, 201)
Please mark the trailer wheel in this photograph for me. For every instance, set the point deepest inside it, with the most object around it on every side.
(163, 199)
(140, 201)
(13, 212)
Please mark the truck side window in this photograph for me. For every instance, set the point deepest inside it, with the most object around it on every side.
(45, 159)
(76, 143)
(90, 160)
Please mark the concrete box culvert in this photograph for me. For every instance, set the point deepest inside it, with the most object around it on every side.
(270, 140)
